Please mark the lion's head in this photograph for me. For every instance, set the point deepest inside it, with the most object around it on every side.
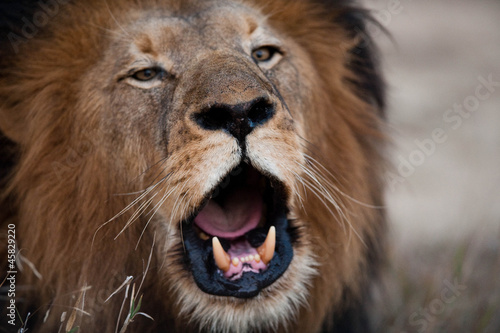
(222, 153)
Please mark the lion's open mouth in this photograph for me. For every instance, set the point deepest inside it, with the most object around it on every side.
(239, 242)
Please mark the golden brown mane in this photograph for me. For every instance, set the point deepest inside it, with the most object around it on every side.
(95, 149)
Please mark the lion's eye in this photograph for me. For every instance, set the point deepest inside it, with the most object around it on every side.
(147, 74)
(263, 54)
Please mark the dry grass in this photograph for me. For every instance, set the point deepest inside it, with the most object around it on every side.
(416, 296)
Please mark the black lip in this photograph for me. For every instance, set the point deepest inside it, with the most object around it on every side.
(199, 259)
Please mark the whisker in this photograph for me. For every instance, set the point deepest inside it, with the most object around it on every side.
(116, 21)
(159, 173)
(186, 206)
(134, 202)
(108, 31)
(317, 165)
(320, 196)
(129, 206)
(136, 214)
(296, 187)
(318, 188)
(343, 218)
(323, 189)
(176, 206)
(147, 187)
(129, 193)
(153, 212)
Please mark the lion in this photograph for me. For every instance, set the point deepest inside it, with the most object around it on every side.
(192, 166)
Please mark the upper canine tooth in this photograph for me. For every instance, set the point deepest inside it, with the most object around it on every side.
(222, 259)
(266, 250)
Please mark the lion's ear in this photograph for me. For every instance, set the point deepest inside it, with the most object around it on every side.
(363, 60)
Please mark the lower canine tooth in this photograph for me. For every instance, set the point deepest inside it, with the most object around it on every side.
(222, 259)
(266, 250)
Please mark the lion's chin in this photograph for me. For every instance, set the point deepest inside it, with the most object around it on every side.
(240, 240)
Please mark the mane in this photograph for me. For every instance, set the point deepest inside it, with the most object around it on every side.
(66, 195)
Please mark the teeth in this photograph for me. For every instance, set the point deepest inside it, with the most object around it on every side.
(201, 234)
(222, 259)
(266, 250)
(236, 261)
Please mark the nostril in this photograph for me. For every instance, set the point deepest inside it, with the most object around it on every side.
(214, 118)
(260, 112)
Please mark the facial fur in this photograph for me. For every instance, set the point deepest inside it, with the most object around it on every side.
(133, 118)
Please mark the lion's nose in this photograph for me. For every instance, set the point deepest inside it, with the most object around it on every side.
(239, 119)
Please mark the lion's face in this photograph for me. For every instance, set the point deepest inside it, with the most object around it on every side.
(212, 104)
(224, 152)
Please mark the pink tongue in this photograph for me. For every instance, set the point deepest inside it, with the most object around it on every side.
(239, 213)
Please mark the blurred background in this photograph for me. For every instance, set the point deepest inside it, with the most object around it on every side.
(442, 64)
